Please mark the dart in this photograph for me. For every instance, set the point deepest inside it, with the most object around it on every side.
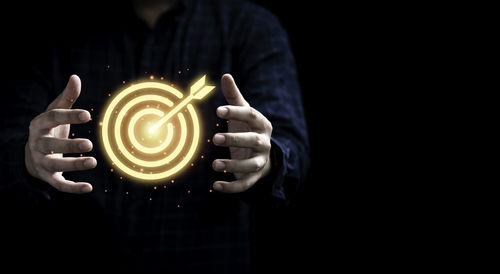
(197, 92)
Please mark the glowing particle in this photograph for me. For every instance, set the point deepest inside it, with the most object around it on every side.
(192, 164)
(161, 78)
(51, 152)
(123, 82)
(164, 186)
(142, 169)
(189, 191)
(210, 191)
(202, 156)
(109, 94)
(121, 178)
(100, 124)
(72, 134)
(81, 155)
(187, 69)
(92, 109)
(154, 187)
(225, 171)
(107, 66)
(150, 199)
(106, 190)
(180, 71)
(217, 124)
(178, 206)
(112, 170)
(151, 77)
(172, 181)
(126, 193)
(112, 164)
(208, 140)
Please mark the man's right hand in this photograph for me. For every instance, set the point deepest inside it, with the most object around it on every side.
(48, 140)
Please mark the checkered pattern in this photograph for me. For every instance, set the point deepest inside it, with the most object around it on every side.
(181, 227)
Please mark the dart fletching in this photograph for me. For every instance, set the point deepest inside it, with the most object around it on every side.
(199, 90)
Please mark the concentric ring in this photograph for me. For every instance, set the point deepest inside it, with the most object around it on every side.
(139, 153)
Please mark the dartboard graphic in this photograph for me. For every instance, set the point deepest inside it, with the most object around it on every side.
(151, 131)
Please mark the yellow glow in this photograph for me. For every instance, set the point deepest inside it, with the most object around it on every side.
(133, 138)
(156, 155)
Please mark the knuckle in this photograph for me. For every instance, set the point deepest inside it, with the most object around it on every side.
(72, 146)
(267, 144)
(32, 127)
(31, 145)
(231, 139)
(258, 141)
(269, 126)
(253, 113)
(246, 185)
(49, 164)
(259, 164)
(77, 165)
(52, 115)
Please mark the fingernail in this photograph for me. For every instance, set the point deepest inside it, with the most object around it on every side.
(85, 145)
(222, 111)
(219, 165)
(86, 188)
(84, 116)
(219, 139)
(88, 163)
(218, 187)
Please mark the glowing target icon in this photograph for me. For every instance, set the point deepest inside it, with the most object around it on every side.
(150, 131)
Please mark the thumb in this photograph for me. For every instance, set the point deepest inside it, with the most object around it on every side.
(69, 94)
(231, 92)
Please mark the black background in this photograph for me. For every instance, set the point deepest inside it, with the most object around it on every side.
(312, 231)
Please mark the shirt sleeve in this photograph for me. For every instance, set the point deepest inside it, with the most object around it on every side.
(266, 74)
(26, 97)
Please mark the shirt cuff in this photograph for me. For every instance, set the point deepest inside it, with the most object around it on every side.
(22, 184)
(269, 189)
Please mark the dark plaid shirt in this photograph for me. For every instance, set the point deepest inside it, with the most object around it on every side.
(182, 226)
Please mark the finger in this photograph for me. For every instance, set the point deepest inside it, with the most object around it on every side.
(63, 185)
(231, 92)
(48, 145)
(69, 95)
(254, 164)
(251, 140)
(249, 115)
(68, 163)
(55, 117)
(237, 186)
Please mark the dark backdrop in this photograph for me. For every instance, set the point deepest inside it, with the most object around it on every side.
(293, 238)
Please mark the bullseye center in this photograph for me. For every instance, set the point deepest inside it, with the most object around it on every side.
(138, 131)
